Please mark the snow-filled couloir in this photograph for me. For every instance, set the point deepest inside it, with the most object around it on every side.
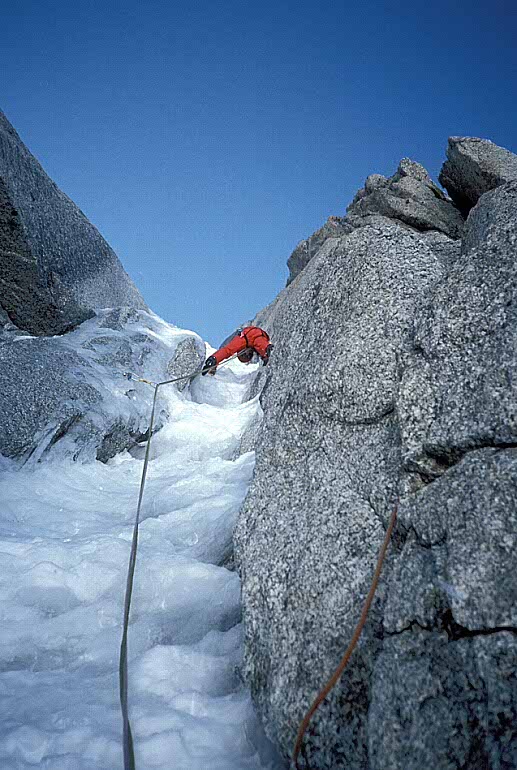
(65, 532)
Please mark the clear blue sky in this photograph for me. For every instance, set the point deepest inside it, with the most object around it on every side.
(205, 139)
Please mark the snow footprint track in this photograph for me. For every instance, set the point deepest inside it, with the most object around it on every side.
(187, 704)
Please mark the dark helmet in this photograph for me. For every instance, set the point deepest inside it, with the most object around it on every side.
(246, 356)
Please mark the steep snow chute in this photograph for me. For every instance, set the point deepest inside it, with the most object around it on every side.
(129, 754)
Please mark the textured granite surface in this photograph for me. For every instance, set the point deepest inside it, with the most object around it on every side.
(465, 354)
(409, 196)
(328, 456)
(334, 227)
(57, 249)
(31, 300)
(393, 375)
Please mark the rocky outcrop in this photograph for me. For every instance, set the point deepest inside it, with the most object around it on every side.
(392, 377)
(473, 167)
(326, 475)
(451, 617)
(188, 357)
(409, 197)
(29, 301)
(68, 396)
(48, 247)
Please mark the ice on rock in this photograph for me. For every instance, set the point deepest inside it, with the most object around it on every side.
(65, 534)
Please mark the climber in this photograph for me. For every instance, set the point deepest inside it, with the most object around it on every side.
(247, 340)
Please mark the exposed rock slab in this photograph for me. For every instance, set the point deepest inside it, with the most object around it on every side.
(32, 301)
(393, 372)
(439, 703)
(328, 459)
(70, 264)
(447, 669)
(334, 227)
(465, 344)
(457, 567)
(473, 167)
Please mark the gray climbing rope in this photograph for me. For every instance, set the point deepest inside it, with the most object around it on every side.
(129, 754)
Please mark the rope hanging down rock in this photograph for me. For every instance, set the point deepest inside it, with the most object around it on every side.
(348, 653)
(129, 754)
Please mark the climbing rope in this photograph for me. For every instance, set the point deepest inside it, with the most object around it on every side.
(346, 657)
(129, 755)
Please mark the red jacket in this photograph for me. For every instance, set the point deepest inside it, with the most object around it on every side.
(249, 337)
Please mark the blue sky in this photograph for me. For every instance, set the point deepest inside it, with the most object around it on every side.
(206, 139)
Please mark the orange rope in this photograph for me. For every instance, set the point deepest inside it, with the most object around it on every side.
(346, 657)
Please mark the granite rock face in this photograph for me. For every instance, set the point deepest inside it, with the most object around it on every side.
(392, 377)
(473, 167)
(465, 341)
(328, 457)
(454, 634)
(47, 245)
(28, 300)
(450, 702)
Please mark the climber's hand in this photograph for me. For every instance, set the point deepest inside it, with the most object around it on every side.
(210, 366)
(265, 357)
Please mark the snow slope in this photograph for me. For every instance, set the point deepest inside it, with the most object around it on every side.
(65, 531)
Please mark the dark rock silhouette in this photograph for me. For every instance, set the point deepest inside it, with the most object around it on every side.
(30, 300)
(55, 267)
(473, 167)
